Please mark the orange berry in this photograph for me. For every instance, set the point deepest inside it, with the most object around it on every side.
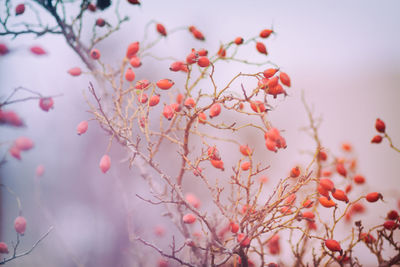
(308, 203)
(189, 218)
(165, 84)
(373, 197)
(327, 184)
(246, 166)
(203, 62)
(238, 40)
(322, 191)
(202, 118)
(245, 150)
(341, 169)
(359, 179)
(266, 33)
(135, 62)
(295, 172)
(221, 52)
(340, 195)
(308, 215)
(130, 75)
(190, 103)
(161, 29)
(285, 79)
(202, 52)
(273, 82)
(219, 164)
(215, 110)
(328, 203)
(333, 245)
(132, 49)
(75, 71)
(268, 73)
(142, 84)
(380, 126)
(257, 106)
(168, 112)
(261, 48)
(213, 153)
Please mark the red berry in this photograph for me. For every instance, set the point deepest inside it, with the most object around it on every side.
(234, 227)
(134, 2)
(19, 9)
(3, 49)
(222, 51)
(295, 172)
(154, 100)
(327, 184)
(219, 164)
(161, 29)
(168, 112)
(340, 195)
(3, 248)
(82, 127)
(142, 84)
(377, 139)
(266, 33)
(341, 169)
(261, 48)
(95, 54)
(273, 82)
(198, 34)
(238, 40)
(189, 103)
(135, 62)
(327, 203)
(100, 22)
(246, 166)
(75, 71)
(203, 62)
(189, 218)
(192, 200)
(332, 245)
(373, 197)
(202, 52)
(390, 225)
(308, 215)
(359, 179)
(245, 150)
(257, 106)
(285, 79)
(202, 118)
(308, 203)
(92, 7)
(20, 225)
(268, 73)
(322, 155)
(15, 152)
(142, 98)
(46, 103)
(243, 240)
(105, 163)
(192, 58)
(176, 66)
(23, 143)
(130, 75)
(380, 126)
(132, 49)
(322, 191)
(37, 50)
(215, 110)
(392, 215)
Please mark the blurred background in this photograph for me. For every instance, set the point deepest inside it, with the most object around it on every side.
(343, 55)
